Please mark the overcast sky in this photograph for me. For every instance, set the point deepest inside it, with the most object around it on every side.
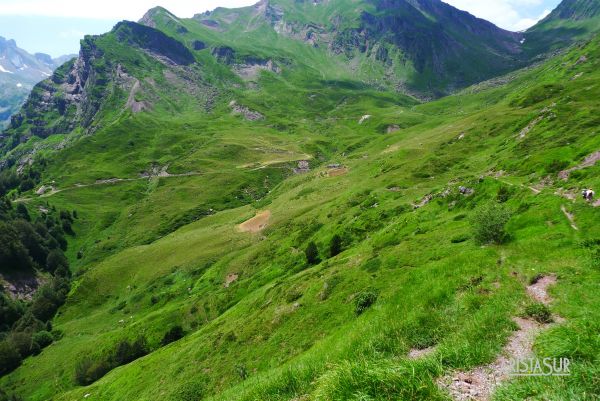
(56, 26)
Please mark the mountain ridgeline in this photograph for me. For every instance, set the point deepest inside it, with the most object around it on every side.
(306, 200)
(425, 48)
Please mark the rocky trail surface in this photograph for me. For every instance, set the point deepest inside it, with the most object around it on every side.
(480, 383)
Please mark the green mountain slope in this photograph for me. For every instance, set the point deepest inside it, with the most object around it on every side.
(571, 21)
(259, 219)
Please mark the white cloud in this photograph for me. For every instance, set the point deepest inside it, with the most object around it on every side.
(507, 14)
(525, 23)
(110, 9)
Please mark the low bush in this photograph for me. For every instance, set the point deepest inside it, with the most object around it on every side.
(43, 338)
(10, 359)
(363, 301)
(173, 334)
(489, 223)
(539, 312)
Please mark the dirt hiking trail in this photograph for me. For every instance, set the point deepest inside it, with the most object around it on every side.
(479, 383)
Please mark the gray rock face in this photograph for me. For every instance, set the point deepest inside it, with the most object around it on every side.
(248, 114)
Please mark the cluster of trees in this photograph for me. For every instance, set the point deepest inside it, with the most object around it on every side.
(29, 247)
(31, 329)
(27, 180)
(92, 368)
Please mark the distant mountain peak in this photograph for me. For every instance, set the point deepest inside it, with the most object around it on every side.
(149, 19)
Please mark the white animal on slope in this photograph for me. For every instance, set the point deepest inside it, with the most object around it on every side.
(588, 194)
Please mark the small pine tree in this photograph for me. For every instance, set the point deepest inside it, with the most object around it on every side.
(312, 254)
(335, 246)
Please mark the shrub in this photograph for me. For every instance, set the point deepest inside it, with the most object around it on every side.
(189, 391)
(242, 371)
(43, 338)
(10, 359)
(489, 224)
(173, 334)
(6, 397)
(556, 165)
(363, 301)
(126, 351)
(539, 312)
(335, 245)
(23, 344)
(43, 308)
(10, 312)
(459, 238)
(89, 370)
(312, 254)
(29, 323)
(503, 194)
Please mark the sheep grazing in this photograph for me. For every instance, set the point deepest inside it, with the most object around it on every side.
(588, 194)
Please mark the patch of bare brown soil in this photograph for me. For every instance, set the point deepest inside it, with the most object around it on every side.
(336, 172)
(256, 224)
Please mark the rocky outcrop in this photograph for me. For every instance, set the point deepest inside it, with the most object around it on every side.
(74, 94)
(153, 41)
(66, 94)
(251, 67)
(250, 115)
(272, 13)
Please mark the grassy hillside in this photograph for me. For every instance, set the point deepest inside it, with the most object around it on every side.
(161, 194)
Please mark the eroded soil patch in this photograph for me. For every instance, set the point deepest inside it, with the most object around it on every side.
(256, 224)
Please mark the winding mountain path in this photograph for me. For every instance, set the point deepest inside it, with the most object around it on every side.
(108, 181)
(480, 383)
